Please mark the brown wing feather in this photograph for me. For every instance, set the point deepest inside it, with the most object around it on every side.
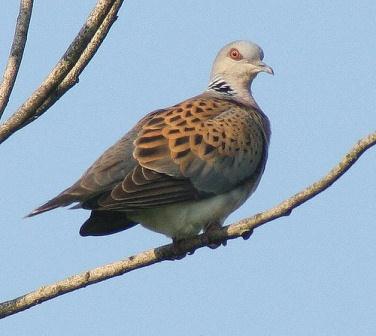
(216, 143)
(143, 188)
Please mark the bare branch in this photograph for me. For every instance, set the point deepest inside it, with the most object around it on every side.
(242, 228)
(66, 72)
(16, 53)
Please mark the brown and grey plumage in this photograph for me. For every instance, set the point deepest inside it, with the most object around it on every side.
(185, 168)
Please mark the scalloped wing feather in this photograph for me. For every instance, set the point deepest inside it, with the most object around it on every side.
(215, 143)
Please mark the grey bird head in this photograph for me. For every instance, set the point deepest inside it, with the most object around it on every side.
(236, 65)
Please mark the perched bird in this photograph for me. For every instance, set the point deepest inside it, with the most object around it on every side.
(185, 168)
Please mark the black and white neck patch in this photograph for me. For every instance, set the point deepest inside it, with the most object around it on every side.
(221, 86)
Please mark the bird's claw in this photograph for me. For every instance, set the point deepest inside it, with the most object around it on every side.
(214, 245)
(178, 252)
(247, 234)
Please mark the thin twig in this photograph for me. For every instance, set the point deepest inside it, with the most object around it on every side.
(72, 77)
(65, 73)
(242, 228)
(16, 53)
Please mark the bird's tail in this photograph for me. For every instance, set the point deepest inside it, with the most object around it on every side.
(60, 200)
(102, 223)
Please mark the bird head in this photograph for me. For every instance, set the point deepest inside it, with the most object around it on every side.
(235, 67)
(240, 58)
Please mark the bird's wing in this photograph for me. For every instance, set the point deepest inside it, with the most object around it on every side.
(203, 146)
(195, 149)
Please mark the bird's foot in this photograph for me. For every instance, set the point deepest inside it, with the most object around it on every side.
(178, 251)
(214, 227)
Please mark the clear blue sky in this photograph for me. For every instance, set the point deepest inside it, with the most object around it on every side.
(312, 273)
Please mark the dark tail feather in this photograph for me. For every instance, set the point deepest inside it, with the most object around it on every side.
(59, 201)
(101, 223)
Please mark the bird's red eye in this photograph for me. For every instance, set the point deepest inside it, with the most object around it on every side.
(235, 54)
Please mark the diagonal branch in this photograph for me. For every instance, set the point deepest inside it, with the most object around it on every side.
(16, 53)
(242, 228)
(65, 73)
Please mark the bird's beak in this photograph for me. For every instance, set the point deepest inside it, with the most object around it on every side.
(263, 67)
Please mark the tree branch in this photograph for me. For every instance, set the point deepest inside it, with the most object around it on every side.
(65, 73)
(243, 228)
(16, 53)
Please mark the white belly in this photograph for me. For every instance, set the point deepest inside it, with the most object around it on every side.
(187, 219)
